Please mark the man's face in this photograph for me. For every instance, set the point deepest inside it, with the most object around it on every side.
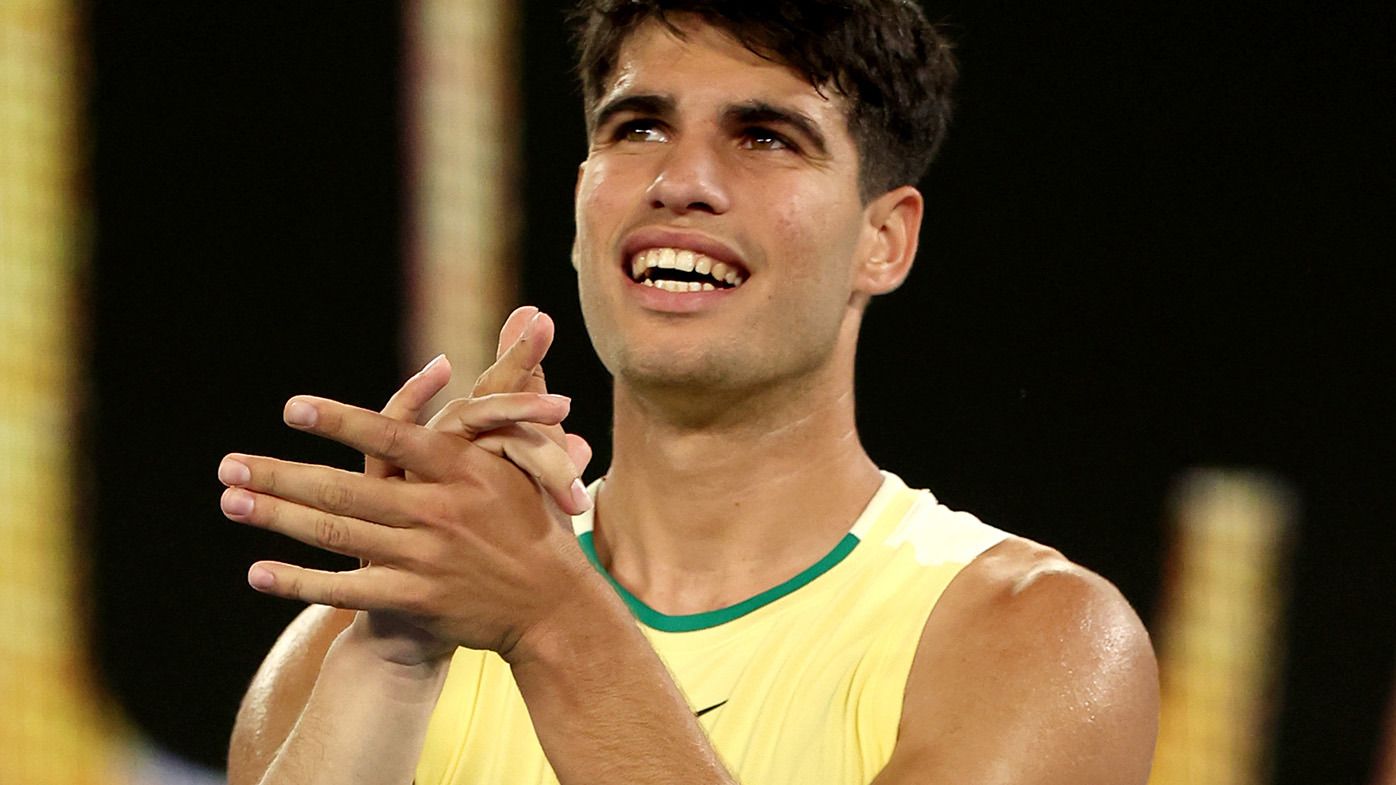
(713, 169)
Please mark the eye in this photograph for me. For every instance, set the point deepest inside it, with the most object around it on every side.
(639, 131)
(759, 138)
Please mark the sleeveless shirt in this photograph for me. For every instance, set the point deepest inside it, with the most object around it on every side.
(802, 683)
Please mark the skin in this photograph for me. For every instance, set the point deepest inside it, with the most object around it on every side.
(1030, 670)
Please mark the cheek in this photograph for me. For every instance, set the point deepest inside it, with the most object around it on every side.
(818, 234)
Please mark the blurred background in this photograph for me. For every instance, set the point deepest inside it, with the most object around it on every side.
(1150, 326)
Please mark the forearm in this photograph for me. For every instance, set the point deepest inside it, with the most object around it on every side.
(365, 721)
(605, 708)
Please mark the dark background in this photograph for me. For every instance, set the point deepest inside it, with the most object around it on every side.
(1157, 238)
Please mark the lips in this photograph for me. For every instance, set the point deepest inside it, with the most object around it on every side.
(681, 262)
(682, 270)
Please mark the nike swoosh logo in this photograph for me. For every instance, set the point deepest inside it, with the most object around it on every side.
(701, 712)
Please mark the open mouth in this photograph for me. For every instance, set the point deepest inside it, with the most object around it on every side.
(682, 270)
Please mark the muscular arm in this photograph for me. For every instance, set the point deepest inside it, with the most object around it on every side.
(1031, 671)
(280, 690)
(283, 703)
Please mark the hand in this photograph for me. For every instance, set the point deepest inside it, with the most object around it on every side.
(470, 554)
(500, 405)
(500, 417)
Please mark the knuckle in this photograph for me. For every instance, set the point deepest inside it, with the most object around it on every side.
(295, 584)
(330, 533)
(266, 477)
(333, 496)
(392, 438)
(336, 595)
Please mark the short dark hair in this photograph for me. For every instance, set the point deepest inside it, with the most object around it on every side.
(895, 68)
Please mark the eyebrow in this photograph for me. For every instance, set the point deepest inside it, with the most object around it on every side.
(643, 104)
(745, 113)
(763, 113)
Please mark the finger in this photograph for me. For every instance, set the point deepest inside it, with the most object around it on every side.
(323, 488)
(408, 403)
(470, 417)
(407, 446)
(513, 328)
(518, 368)
(544, 460)
(324, 530)
(364, 589)
(579, 451)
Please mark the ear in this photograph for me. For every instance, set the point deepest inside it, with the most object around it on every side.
(576, 190)
(893, 227)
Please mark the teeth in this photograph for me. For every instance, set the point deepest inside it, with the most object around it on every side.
(644, 262)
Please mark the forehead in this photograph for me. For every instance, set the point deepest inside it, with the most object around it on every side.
(707, 66)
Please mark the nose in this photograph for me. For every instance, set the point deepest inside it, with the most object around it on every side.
(690, 179)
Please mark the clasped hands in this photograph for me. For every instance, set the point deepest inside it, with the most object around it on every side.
(460, 525)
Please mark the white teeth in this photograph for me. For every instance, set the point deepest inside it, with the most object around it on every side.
(644, 262)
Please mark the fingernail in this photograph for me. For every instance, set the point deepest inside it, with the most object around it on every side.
(528, 327)
(580, 497)
(231, 472)
(260, 578)
(438, 358)
(237, 502)
(562, 399)
(301, 414)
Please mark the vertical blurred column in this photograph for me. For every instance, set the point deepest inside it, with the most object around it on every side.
(1219, 645)
(463, 124)
(54, 718)
(1386, 745)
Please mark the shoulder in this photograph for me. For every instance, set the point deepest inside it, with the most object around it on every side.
(1042, 663)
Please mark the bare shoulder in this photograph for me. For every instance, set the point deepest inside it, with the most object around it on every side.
(1031, 669)
(280, 690)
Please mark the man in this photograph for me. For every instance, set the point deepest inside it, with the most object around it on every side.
(802, 616)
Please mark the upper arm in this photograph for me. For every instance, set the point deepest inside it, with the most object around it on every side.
(280, 690)
(1032, 671)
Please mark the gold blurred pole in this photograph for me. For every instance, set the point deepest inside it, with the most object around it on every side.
(464, 213)
(1386, 745)
(1220, 649)
(56, 725)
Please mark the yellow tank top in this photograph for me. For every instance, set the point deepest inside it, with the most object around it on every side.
(802, 683)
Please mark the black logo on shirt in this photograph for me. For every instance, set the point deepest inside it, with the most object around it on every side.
(701, 712)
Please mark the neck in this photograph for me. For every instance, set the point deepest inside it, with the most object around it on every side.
(699, 512)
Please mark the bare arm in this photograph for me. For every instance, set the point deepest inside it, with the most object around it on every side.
(1031, 671)
(283, 687)
(280, 690)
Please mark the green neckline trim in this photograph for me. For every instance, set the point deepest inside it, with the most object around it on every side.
(700, 621)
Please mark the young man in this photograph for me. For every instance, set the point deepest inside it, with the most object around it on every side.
(802, 616)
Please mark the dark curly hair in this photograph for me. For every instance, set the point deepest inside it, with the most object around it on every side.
(894, 67)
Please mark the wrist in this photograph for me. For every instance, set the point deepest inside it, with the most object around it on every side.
(406, 656)
(589, 618)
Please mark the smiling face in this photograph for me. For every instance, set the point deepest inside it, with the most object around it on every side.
(721, 241)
